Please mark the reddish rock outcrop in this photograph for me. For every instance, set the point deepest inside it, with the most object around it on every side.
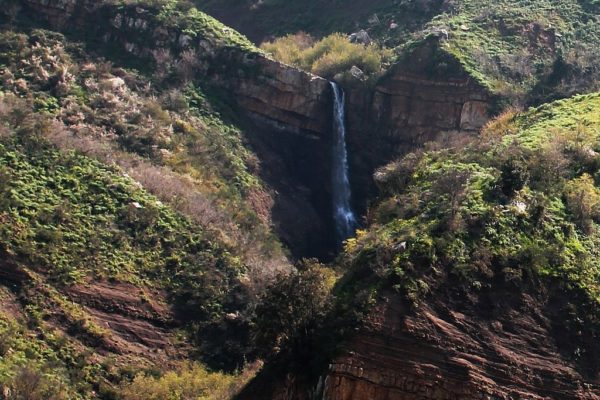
(135, 321)
(450, 351)
(290, 98)
(500, 343)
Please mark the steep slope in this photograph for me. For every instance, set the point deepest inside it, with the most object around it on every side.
(478, 275)
(111, 280)
(425, 97)
(104, 274)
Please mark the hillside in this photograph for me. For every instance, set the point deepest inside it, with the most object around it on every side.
(170, 200)
(527, 51)
(120, 252)
(477, 275)
(260, 20)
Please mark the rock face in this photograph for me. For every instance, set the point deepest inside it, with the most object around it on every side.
(57, 12)
(444, 350)
(449, 350)
(293, 99)
(290, 110)
(426, 97)
(502, 343)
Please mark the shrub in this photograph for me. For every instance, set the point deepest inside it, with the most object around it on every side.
(289, 49)
(329, 56)
(292, 308)
(30, 383)
(395, 176)
(583, 201)
(503, 125)
(188, 381)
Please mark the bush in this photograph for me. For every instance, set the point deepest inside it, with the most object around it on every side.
(189, 381)
(293, 307)
(583, 200)
(29, 383)
(329, 56)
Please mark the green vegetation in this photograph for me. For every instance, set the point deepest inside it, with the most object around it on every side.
(30, 369)
(522, 49)
(56, 368)
(139, 179)
(329, 56)
(293, 307)
(73, 219)
(189, 381)
(171, 131)
(518, 205)
(185, 18)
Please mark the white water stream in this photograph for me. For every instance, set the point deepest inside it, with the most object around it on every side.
(344, 218)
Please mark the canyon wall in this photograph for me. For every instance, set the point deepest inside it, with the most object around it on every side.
(487, 347)
(425, 97)
(501, 343)
(289, 111)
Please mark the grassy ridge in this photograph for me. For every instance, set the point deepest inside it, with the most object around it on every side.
(520, 205)
(517, 47)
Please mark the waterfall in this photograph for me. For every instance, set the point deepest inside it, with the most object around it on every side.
(345, 221)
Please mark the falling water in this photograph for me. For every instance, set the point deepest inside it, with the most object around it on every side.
(345, 221)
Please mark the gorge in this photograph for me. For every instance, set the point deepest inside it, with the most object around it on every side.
(179, 207)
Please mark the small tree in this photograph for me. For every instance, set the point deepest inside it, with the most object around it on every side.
(292, 308)
(453, 185)
(583, 201)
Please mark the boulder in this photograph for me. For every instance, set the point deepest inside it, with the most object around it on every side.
(361, 37)
(357, 73)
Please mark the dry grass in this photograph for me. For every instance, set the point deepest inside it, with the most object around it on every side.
(331, 55)
(189, 381)
(503, 125)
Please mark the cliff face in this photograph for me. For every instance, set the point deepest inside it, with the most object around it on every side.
(416, 102)
(498, 344)
(292, 99)
(450, 350)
